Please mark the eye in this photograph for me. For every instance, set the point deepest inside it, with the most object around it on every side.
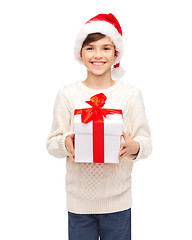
(89, 48)
(106, 48)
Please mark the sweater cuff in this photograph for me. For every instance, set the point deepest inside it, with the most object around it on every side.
(61, 141)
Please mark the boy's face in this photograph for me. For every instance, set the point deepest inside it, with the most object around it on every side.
(99, 56)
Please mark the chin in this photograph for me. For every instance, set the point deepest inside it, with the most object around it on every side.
(99, 73)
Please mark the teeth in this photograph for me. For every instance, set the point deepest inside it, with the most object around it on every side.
(98, 63)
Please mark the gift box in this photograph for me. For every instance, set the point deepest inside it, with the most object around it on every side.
(98, 128)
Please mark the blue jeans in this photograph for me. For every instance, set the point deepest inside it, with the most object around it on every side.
(110, 226)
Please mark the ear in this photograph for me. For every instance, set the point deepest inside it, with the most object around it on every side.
(81, 58)
(116, 53)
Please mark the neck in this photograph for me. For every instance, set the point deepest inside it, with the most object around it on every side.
(99, 82)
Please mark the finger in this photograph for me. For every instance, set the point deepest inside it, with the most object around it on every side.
(70, 148)
(122, 151)
(72, 153)
(123, 144)
(122, 156)
(70, 144)
(72, 158)
(72, 136)
(72, 140)
(125, 135)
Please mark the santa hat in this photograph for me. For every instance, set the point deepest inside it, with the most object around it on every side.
(108, 25)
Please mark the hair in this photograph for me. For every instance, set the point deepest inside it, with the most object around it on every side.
(93, 37)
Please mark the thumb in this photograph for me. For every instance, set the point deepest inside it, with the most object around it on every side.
(72, 135)
(124, 135)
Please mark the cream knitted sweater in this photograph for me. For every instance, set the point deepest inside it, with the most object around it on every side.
(100, 187)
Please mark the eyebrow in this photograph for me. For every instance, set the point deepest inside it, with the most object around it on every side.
(108, 45)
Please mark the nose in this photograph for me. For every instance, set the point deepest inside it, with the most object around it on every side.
(98, 54)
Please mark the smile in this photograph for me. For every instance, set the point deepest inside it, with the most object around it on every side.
(98, 63)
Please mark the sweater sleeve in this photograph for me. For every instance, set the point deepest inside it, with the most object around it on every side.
(60, 127)
(140, 131)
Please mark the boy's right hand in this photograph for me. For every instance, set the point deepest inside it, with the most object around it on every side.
(69, 143)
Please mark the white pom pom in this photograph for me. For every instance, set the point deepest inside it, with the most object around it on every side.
(117, 73)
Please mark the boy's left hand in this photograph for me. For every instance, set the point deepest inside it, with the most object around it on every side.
(129, 147)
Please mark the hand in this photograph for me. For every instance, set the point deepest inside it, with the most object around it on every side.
(128, 147)
(69, 143)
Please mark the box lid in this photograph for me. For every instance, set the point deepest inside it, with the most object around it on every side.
(113, 123)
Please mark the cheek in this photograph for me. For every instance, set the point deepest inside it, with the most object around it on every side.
(85, 61)
(85, 57)
(111, 54)
(112, 57)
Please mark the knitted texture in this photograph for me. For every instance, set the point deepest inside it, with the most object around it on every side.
(100, 187)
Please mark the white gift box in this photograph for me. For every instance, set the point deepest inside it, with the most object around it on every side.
(113, 130)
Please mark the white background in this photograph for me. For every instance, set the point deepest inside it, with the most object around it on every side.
(36, 60)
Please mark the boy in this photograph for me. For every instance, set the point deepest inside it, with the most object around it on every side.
(99, 195)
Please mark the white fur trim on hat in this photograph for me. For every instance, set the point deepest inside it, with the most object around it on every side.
(117, 73)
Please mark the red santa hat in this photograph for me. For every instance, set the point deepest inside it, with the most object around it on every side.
(108, 25)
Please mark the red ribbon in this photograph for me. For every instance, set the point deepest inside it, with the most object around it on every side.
(96, 114)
